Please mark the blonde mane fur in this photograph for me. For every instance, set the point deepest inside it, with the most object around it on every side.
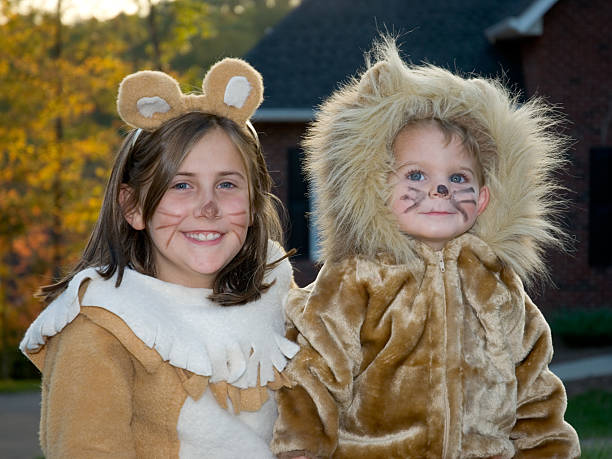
(349, 156)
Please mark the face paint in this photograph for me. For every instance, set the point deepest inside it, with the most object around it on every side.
(210, 210)
(202, 220)
(415, 195)
(435, 195)
(464, 199)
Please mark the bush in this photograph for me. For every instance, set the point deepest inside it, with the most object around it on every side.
(583, 327)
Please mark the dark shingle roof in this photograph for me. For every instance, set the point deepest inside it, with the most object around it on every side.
(321, 43)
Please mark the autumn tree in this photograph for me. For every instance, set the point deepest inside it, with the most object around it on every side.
(54, 153)
(59, 129)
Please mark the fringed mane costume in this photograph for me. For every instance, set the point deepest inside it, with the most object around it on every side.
(407, 352)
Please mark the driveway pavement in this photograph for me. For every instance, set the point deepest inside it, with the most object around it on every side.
(19, 415)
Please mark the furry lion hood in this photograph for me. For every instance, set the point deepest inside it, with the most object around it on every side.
(349, 156)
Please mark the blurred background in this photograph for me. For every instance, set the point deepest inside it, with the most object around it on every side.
(61, 62)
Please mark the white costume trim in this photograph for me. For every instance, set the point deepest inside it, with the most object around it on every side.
(226, 343)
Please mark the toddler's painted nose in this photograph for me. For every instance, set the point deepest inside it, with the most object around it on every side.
(441, 191)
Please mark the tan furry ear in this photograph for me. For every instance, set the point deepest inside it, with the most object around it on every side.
(375, 81)
(146, 99)
(232, 89)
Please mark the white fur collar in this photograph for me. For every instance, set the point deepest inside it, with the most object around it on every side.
(189, 331)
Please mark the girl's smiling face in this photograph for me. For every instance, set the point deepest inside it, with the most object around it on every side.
(202, 220)
(435, 191)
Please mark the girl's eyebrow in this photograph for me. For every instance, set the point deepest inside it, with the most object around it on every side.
(221, 174)
(226, 173)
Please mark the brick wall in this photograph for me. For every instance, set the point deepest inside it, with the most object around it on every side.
(277, 140)
(571, 66)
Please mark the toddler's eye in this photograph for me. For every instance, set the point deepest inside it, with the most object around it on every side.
(457, 178)
(181, 186)
(415, 176)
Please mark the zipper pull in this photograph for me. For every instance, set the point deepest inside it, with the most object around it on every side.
(441, 261)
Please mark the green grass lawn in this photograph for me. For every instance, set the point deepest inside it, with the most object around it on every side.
(590, 414)
(19, 385)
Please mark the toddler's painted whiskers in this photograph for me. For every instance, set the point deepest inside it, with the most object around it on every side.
(457, 204)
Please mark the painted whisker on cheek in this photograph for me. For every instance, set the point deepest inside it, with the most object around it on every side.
(237, 214)
(170, 237)
(161, 227)
(465, 190)
(168, 214)
(462, 212)
(409, 208)
(416, 196)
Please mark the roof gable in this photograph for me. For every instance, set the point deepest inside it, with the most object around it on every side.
(321, 43)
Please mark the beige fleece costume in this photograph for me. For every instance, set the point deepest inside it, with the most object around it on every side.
(407, 352)
(153, 369)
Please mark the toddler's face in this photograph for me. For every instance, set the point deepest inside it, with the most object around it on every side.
(436, 195)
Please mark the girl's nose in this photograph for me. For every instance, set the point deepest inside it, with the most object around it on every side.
(210, 210)
(440, 191)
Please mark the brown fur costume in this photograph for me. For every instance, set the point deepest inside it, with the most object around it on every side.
(407, 352)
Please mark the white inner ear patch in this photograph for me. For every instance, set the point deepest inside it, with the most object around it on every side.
(149, 106)
(237, 91)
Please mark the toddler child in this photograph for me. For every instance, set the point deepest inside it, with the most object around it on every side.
(166, 338)
(435, 199)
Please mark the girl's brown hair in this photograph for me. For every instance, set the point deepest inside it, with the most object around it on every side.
(145, 165)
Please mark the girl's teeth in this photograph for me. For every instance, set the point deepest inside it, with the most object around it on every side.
(205, 237)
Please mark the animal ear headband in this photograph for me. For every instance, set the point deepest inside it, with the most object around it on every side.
(231, 88)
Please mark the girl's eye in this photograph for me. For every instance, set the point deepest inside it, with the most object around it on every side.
(181, 186)
(415, 176)
(458, 178)
(226, 185)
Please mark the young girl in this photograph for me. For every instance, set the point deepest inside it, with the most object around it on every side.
(435, 198)
(166, 338)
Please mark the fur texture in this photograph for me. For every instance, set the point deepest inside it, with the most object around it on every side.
(451, 365)
(349, 157)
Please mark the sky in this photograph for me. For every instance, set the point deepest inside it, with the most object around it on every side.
(83, 9)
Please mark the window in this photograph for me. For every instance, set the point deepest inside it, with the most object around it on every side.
(600, 207)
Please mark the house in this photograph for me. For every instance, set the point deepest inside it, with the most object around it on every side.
(557, 49)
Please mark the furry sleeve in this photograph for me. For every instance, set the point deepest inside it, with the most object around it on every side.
(540, 430)
(86, 394)
(328, 316)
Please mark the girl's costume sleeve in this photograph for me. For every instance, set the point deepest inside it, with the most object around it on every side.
(329, 315)
(540, 430)
(87, 394)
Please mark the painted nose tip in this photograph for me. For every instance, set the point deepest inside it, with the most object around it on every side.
(442, 190)
(210, 210)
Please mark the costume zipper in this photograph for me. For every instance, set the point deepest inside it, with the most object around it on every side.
(441, 261)
(445, 337)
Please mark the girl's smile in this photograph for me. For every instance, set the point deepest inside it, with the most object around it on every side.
(203, 236)
(202, 220)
